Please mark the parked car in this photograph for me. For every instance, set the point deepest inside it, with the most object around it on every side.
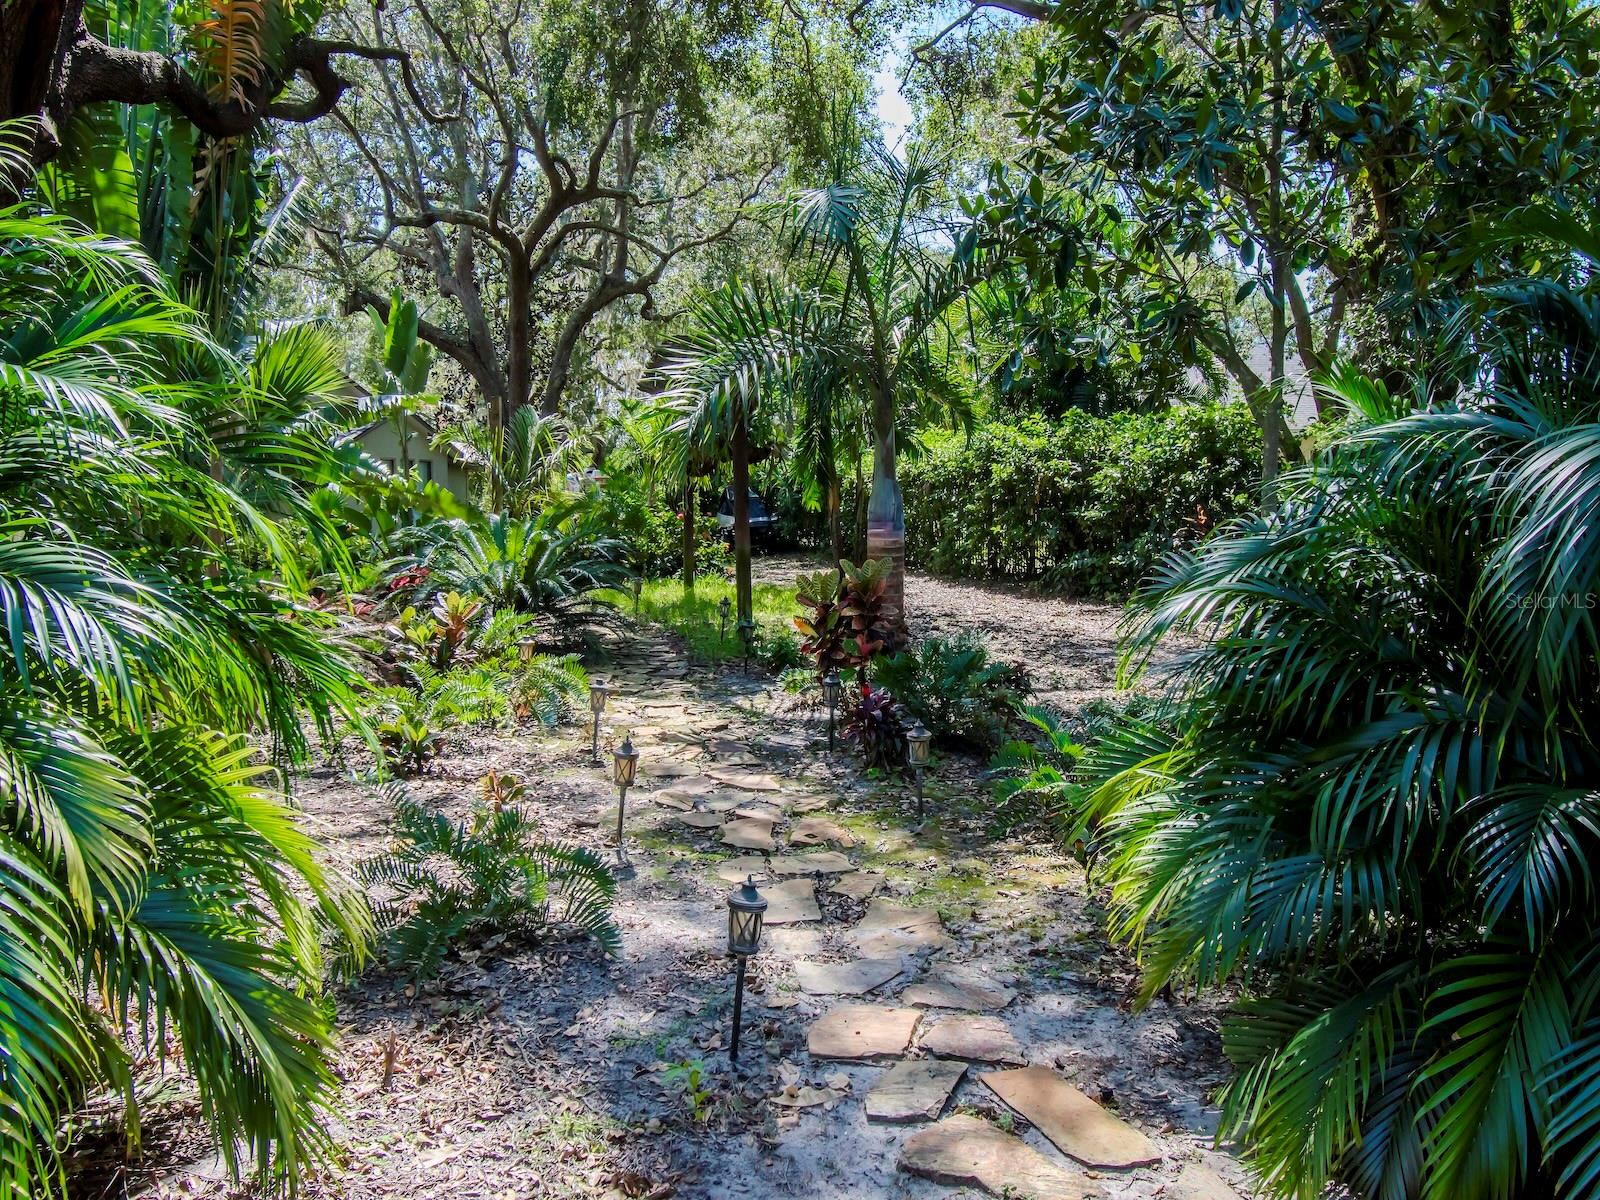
(762, 522)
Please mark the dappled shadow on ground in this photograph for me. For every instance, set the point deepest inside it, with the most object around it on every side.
(547, 1071)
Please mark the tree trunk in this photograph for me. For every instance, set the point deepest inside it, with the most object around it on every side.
(688, 533)
(858, 528)
(1271, 449)
(886, 519)
(741, 515)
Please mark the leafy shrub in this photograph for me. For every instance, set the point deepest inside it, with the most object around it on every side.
(873, 724)
(1375, 799)
(954, 688)
(410, 744)
(1036, 775)
(461, 881)
(551, 564)
(844, 627)
(1082, 503)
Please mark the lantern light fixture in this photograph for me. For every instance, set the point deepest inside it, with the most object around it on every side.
(723, 606)
(747, 635)
(598, 691)
(918, 743)
(625, 769)
(526, 648)
(831, 687)
(746, 910)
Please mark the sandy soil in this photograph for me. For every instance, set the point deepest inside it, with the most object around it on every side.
(543, 1071)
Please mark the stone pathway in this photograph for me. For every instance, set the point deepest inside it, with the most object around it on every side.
(919, 1014)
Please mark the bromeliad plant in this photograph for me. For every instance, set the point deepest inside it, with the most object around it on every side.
(158, 899)
(874, 725)
(1373, 801)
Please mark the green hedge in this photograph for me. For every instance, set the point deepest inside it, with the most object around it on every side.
(1079, 503)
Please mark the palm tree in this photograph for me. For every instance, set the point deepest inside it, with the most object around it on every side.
(154, 881)
(1373, 802)
(878, 271)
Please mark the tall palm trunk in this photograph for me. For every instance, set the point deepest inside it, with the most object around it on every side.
(741, 515)
(886, 517)
(688, 532)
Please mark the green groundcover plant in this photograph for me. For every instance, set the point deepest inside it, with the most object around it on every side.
(1371, 803)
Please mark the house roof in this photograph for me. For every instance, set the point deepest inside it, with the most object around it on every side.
(458, 451)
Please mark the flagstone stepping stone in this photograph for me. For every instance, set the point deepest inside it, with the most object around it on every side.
(715, 804)
(693, 785)
(666, 768)
(806, 804)
(1199, 1182)
(735, 870)
(823, 862)
(947, 989)
(743, 779)
(759, 811)
(1079, 1127)
(792, 902)
(862, 1031)
(846, 978)
(673, 800)
(749, 834)
(700, 820)
(892, 929)
(965, 1151)
(858, 885)
(726, 747)
(817, 831)
(915, 1089)
(977, 1039)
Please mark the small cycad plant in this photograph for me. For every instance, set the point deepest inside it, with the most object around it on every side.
(457, 881)
(1037, 776)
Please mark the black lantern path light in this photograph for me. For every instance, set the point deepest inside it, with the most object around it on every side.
(747, 635)
(598, 691)
(746, 910)
(918, 742)
(830, 694)
(723, 606)
(625, 768)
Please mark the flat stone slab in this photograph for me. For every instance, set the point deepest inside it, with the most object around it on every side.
(846, 978)
(759, 810)
(964, 1152)
(746, 781)
(862, 1031)
(818, 831)
(948, 989)
(824, 862)
(976, 1039)
(1079, 1127)
(748, 834)
(858, 885)
(666, 768)
(791, 902)
(915, 1089)
(1199, 1182)
(699, 820)
(892, 929)
(673, 800)
(734, 870)
(690, 787)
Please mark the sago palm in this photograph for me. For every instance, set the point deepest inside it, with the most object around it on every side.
(1373, 803)
(152, 880)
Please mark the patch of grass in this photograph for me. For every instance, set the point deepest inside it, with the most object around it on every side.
(694, 617)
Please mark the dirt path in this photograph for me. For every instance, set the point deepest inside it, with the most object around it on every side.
(548, 1071)
(1068, 647)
